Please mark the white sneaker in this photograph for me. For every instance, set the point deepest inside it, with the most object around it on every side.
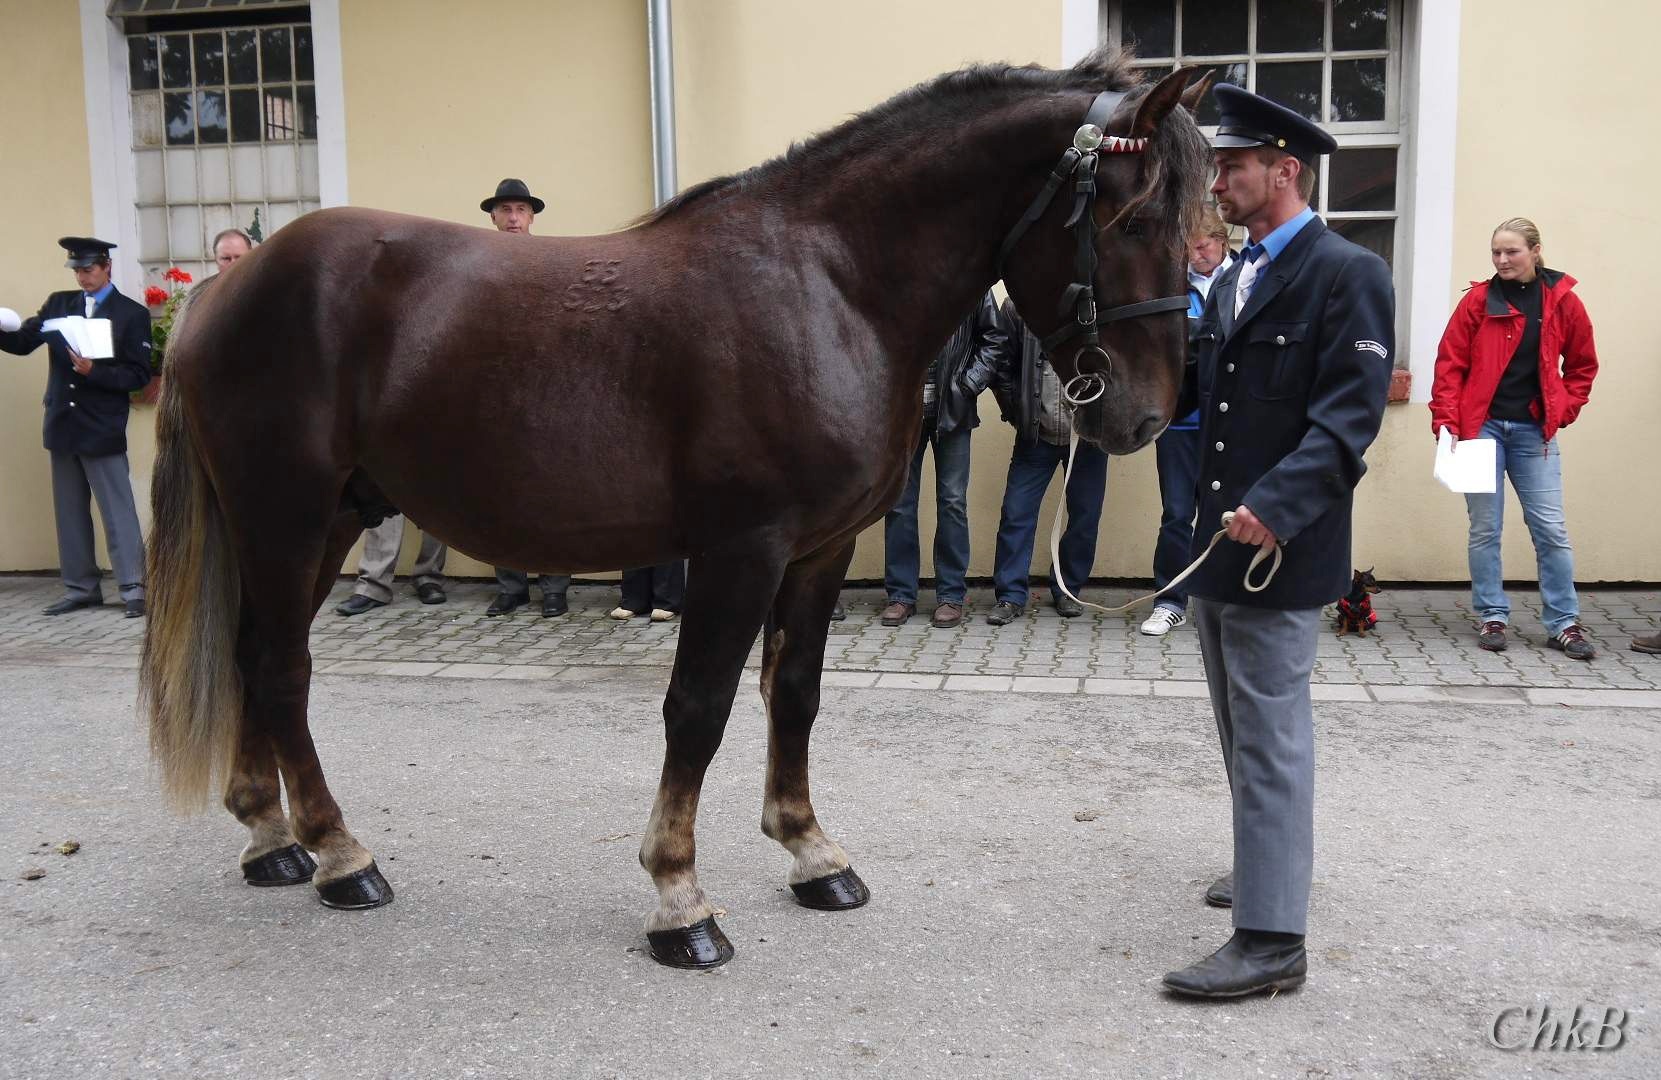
(1162, 621)
(621, 613)
(662, 614)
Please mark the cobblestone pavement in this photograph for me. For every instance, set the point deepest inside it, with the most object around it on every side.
(1424, 648)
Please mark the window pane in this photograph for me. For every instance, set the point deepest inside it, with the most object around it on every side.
(1374, 235)
(1213, 27)
(302, 53)
(1231, 73)
(1360, 24)
(1296, 85)
(1363, 178)
(143, 69)
(1358, 90)
(247, 174)
(210, 59)
(181, 127)
(307, 99)
(147, 125)
(152, 188)
(210, 115)
(274, 56)
(244, 61)
(1150, 26)
(213, 170)
(279, 112)
(1290, 25)
(175, 60)
(245, 116)
(180, 167)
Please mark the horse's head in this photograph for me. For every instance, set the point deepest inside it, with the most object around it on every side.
(1096, 266)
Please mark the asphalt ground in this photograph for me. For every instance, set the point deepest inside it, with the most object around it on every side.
(1036, 863)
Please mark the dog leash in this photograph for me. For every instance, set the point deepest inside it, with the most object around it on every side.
(1061, 519)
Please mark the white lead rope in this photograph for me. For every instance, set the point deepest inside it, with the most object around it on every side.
(1216, 537)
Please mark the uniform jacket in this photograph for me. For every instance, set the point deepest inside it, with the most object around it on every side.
(87, 414)
(964, 367)
(1291, 394)
(1477, 346)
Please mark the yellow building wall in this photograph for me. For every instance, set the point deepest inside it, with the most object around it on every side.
(45, 193)
(446, 99)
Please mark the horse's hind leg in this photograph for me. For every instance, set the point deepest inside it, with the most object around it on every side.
(726, 600)
(792, 661)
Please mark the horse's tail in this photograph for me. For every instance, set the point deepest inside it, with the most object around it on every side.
(188, 678)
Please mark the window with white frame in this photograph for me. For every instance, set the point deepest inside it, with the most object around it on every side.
(224, 132)
(1337, 62)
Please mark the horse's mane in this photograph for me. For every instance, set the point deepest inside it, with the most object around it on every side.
(941, 101)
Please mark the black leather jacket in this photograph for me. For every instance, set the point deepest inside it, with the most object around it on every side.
(965, 367)
(1018, 383)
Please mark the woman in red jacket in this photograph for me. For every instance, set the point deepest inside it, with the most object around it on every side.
(1515, 365)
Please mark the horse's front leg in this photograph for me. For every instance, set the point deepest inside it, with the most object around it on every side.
(726, 600)
(793, 659)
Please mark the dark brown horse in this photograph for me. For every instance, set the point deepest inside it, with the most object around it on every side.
(733, 380)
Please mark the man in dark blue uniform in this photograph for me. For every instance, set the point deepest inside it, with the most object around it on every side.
(1291, 369)
(86, 427)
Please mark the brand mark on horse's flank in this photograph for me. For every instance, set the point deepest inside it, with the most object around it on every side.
(597, 289)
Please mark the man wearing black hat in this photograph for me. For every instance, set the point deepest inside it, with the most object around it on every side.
(1290, 369)
(512, 210)
(86, 426)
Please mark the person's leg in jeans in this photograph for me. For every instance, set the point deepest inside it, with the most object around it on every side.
(1085, 493)
(1487, 513)
(1177, 455)
(1031, 464)
(1537, 476)
(901, 557)
(951, 531)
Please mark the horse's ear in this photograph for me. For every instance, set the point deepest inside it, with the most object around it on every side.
(1158, 103)
(1192, 96)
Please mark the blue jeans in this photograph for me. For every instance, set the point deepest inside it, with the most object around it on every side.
(1536, 470)
(1031, 466)
(901, 556)
(1177, 454)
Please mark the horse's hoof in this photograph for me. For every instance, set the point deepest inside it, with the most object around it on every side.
(701, 945)
(834, 892)
(285, 866)
(364, 889)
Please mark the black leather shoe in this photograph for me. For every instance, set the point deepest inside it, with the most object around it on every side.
(357, 604)
(1068, 608)
(431, 592)
(838, 614)
(1253, 961)
(1221, 892)
(554, 606)
(1004, 613)
(135, 609)
(70, 603)
(506, 602)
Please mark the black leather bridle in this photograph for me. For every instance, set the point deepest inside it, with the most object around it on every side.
(1079, 298)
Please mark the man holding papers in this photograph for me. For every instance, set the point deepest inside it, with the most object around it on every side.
(98, 346)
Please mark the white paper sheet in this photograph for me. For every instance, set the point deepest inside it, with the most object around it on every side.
(91, 338)
(1466, 466)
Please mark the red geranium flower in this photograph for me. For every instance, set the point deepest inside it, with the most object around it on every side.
(155, 294)
(175, 274)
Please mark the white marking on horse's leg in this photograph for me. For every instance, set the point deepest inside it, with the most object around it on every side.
(667, 852)
(339, 854)
(267, 833)
(259, 807)
(791, 822)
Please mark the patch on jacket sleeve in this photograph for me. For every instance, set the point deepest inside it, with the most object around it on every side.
(1373, 347)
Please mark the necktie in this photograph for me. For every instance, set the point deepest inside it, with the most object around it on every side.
(1255, 258)
(92, 302)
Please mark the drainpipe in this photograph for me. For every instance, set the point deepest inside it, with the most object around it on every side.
(661, 50)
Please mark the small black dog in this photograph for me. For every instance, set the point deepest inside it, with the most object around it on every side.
(1355, 610)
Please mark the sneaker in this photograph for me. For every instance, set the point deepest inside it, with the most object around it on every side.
(1572, 641)
(1491, 636)
(1651, 644)
(620, 613)
(660, 614)
(1004, 613)
(1162, 621)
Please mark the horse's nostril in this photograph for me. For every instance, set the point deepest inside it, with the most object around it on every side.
(1149, 428)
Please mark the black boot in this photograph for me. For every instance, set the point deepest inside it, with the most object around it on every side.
(1253, 961)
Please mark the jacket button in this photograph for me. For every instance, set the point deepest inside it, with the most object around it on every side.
(1216, 485)
(1219, 446)
(71, 404)
(1280, 339)
(1222, 406)
(1230, 368)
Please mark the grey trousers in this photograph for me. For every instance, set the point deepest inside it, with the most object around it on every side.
(380, 559)
(514, 582)
(1257, 664)
(76, 481)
